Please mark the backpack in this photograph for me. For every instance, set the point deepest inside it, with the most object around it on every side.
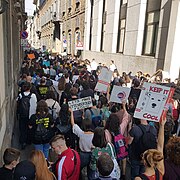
(145, 142)
(52, 111)
(24, 105)
(120, 147)
(42, 132)
(96, 119)
(106, 113)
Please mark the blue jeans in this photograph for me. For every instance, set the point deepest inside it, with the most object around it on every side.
(44, 148)
(85, 158)
(137, 168)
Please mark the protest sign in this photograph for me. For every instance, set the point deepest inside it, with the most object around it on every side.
(31, 56)
(103, 80)
(119, 94)
(80, 103)
(152, 101)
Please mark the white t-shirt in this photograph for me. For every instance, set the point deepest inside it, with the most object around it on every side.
(94, 65)
(85, 139)
(112, 67)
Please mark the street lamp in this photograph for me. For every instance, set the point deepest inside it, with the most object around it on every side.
(3, 6)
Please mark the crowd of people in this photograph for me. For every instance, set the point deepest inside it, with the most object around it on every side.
(103, 139)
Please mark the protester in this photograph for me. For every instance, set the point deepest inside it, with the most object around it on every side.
(11, 158)
(53, 105)
(85, 140)
(112, 66)
(100, 146)
(172, 163)
(105, 166)
(42, 171)
(68, 164)
(25, 170)
(26, 107)
(137, 147)
(41, 125)
(153, 159)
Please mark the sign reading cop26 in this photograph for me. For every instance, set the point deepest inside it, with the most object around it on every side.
(152, 101)
(119, 94)
(80, 103)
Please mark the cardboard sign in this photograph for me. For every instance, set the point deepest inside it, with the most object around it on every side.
(31, 56)
(103, 80)
(80, 103)
(152, 102)
(119, 94)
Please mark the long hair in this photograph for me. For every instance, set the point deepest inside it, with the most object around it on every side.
(173, 150)
(42, 171)
(152, 157)
(99, 138)
(114, 124)
(61, 84)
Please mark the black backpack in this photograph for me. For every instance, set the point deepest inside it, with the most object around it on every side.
(145, 142)
(24, 105)
(42, 132)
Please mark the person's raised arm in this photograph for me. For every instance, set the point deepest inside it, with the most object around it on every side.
(72, 117)
(160, 144)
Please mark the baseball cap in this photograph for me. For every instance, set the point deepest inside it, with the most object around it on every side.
(25, 170)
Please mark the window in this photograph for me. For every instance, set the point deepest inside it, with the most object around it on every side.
(91, 23)
(151, 32)
(104, 14)
(121, 33)
(77, 8)
(69, 42)
(124, 1)
(151, 27)
(122, 26)
(63, 14)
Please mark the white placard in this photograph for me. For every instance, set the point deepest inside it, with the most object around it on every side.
(152, 102)
(103, 80)
(119, 94)
(24, 42)
(80, 103)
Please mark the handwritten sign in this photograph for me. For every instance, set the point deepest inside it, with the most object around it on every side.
(80, 103)
(119, 94)
(152, 101)
(103, 80)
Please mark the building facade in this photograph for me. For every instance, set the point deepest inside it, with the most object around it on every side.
(60, 25)
(137, 35)
(46, 25)
(73, 18)
(12, 19)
